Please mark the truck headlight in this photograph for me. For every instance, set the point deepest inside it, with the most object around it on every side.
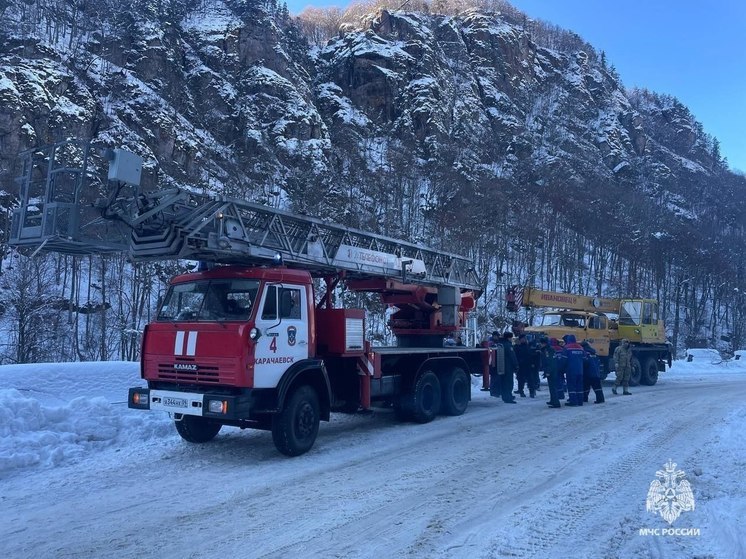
(139, 399)
(217, 406)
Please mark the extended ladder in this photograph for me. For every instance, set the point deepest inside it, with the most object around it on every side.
(71, 216)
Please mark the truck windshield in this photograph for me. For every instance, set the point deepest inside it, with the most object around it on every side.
(223, 299)
(630, 312)
(564, 319)
(573, 320)
(550, 320)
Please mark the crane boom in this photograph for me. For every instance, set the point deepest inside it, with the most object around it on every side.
(517, 297)
(60, 211)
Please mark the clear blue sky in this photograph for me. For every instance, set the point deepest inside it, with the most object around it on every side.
(695, 51)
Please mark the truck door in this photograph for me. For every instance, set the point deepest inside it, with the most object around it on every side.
(598, 334)
(649, 326)
(282, 319)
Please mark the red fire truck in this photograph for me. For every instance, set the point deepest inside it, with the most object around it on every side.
(255, 338)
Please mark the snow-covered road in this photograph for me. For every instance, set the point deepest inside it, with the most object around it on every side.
(499, 481)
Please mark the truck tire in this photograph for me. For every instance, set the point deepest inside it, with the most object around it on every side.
(456, 389)
(649, 371)
(194, 429)
(294, 429)
(635, 375)
(426, 398)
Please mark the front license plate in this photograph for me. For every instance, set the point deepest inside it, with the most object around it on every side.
(175, 402)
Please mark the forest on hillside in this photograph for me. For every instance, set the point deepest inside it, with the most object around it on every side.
(584, 188)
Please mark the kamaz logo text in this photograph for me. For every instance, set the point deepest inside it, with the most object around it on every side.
(186, 343)
(185, 367)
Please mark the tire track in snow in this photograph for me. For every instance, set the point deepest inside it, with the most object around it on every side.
(570, 515)
(478, 485)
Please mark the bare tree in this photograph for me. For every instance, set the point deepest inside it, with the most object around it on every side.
(27, 304)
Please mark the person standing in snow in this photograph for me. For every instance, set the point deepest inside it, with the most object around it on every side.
(574, 356)
(497, 365)
(556, 345)
(526, 365)
(592, 374)
(536, 354)
(623, 367)
(488, 363)
(549, 366)
(505, 365)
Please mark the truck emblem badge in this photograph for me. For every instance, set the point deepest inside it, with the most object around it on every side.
(292, 331)
(185, 367)
(670, 494)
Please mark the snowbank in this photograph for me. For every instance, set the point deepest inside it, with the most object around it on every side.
(52, 413)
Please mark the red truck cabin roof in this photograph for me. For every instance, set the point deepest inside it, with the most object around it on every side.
(266, 274)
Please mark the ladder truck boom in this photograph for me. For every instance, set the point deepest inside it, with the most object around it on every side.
(62, 214)
(249, 343)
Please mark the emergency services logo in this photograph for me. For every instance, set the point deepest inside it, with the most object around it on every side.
(292, 331)
(670, 494)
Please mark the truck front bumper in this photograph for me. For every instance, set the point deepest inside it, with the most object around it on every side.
(218, 406)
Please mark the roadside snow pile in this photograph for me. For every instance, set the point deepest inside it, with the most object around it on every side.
(703, 367)
(52, 413)
(704, 355)
(49, 435)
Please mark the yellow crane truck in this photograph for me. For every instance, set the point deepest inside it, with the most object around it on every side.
(603, 323)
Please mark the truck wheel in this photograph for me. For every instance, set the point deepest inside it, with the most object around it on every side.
(650, 371)
(456, 390)
(196, 429)
(426, 397)
(635, 375)
(294, 429)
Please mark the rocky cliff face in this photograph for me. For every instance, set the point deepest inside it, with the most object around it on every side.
(214, 100)
(415, 124)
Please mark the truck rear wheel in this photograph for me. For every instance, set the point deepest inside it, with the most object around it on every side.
(456, 389)
(635, 375)
(426, 397)
(196, 429)
(650, 371)
(294, 429)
